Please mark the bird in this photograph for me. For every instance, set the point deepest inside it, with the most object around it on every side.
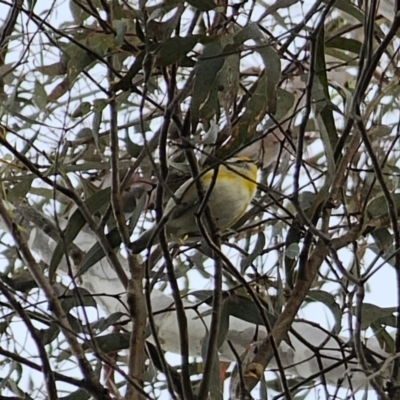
(233, 187)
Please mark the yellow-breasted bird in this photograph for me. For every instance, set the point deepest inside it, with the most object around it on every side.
(234, 188)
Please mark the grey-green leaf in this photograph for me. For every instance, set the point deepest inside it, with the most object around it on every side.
(74, 226)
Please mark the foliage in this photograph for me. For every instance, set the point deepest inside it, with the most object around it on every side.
(108, 106)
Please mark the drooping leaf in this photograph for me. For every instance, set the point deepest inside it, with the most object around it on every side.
(258, 249)
(383, 239)
(125, 83)
(346, 44)
(74, 226)
(238, 306)
(329, 300)
(21, 281)
(215, 385)
(96, 253)
(382, 315)
(40, 96)
(104, 323)
(351, 9)
(109, 343)
(82, 109)
(121, 27)
(271, 61)
(207, 69)
(385, 340)
(77, 297)
(132, 148)
(175, 48)
(245, 309)
(291, 253)
(80, 394)
(78, 13)
(58, 68)
(378, 206)
(331, 138)
(278, 4)
(202, 5)
(48, 335)
(19, 190)
(245, 129)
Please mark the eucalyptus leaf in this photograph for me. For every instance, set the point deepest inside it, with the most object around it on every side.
(174, 49)
(96, 253)
(329, 300)
(80, 394)
(258, 249)
(74, 226)
(372, 313)
(77, 297)
(202, 5)
(109, 343)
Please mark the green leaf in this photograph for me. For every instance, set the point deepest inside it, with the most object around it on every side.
(74, 226)
(78, 13)
(385, 340)
(382, 315)
(80, 394)
(224, 322)
(329, 300)
(77, 297)
(221, 90)
(96, 253)
(96, 122)
(306, 199)
(383, 239)
(278, 5)
(326, 138)
(346, 44)
(78, 60)
(326, 112)
(125, 83)
(132, 148)
(273, 70)
(245, 309)
(271, 61)
(22, 280)
(245, 130)
(82, 109)
(174, 49)
(52, 70)
(202, 5)
(109, 343)
(388, 255)
(378, 207)
(291, 253)
(285, 103)
(19, 190)
(40, 96)
(215, 385)
(258, 249)
(139, 31)
(104, 323)
(120, 27)
(48, 335)
(207, 69)
(350, 9)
